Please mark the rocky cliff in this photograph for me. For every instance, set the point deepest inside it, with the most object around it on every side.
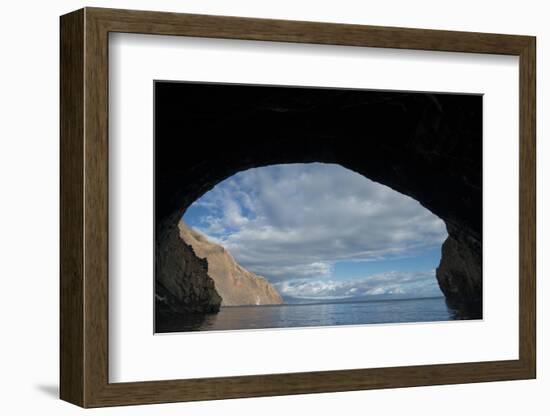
(196, 276)
(182, 284)
(235, 284)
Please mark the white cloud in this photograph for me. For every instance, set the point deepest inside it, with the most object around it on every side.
(390, 283)
(296, 221)
(274, 272)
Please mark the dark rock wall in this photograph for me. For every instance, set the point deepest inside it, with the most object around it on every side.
(427, 146)
(459, 274)
(182, 285)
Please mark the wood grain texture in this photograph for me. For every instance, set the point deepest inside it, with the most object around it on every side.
(84, 207)
(96, 218)
(162, 23)
(527, 208)
(72, 215)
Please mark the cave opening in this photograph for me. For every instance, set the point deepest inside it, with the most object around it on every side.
(316, 232)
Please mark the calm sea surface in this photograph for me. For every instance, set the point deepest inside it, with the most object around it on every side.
(319, 314)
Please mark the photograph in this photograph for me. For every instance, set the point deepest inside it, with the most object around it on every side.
(279, 203)
(291, 207)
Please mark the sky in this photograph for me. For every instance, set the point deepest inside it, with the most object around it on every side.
(319, 231)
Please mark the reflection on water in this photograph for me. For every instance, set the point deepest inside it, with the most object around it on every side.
(308, 315)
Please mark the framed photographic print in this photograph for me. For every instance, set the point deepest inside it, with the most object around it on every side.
(256, 207)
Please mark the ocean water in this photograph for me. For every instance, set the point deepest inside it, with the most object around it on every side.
(316, 314)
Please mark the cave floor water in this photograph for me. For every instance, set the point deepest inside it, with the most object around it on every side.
(314, 315)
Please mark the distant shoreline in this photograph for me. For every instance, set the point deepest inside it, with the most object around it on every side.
(334, 302)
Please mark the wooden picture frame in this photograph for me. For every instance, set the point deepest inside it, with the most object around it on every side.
(84, 207)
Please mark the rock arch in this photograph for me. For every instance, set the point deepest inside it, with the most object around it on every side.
(427, 146)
